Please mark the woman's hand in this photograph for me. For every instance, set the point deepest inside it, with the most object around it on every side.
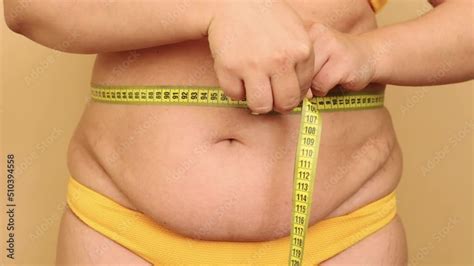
(340, 59)
(263, 53)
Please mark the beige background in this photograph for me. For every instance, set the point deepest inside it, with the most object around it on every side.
(43, 93)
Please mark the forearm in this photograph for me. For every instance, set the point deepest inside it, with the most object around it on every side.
(107, 26)
(437, 48)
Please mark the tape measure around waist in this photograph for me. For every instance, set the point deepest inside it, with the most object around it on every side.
(308, 138)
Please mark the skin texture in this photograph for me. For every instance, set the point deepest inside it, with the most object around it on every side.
(229, 155)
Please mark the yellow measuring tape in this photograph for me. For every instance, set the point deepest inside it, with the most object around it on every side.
(308, 138)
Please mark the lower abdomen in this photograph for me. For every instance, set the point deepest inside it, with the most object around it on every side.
(224, 174)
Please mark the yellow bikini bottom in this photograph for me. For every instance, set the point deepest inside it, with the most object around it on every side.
(142, 236)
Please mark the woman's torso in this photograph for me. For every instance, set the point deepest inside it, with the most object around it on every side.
(221, 173)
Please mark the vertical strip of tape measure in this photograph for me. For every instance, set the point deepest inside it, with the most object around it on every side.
(305, 172)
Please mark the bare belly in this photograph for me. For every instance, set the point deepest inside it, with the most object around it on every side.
(221, 173)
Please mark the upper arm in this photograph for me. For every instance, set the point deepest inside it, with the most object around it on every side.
(24, 15)
(436, 3)
(12, 10)
(47, 22)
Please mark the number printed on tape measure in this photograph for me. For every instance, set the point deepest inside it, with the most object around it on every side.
(305, 164)
(307, 152)
(302, 186)
(305, 167)
(301, 208)
(215, 96)
(298, 230)
(300, 219)
(304, 174)
(301, 197)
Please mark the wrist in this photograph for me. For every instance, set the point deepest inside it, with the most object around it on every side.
(207, 10)
(381, 50)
